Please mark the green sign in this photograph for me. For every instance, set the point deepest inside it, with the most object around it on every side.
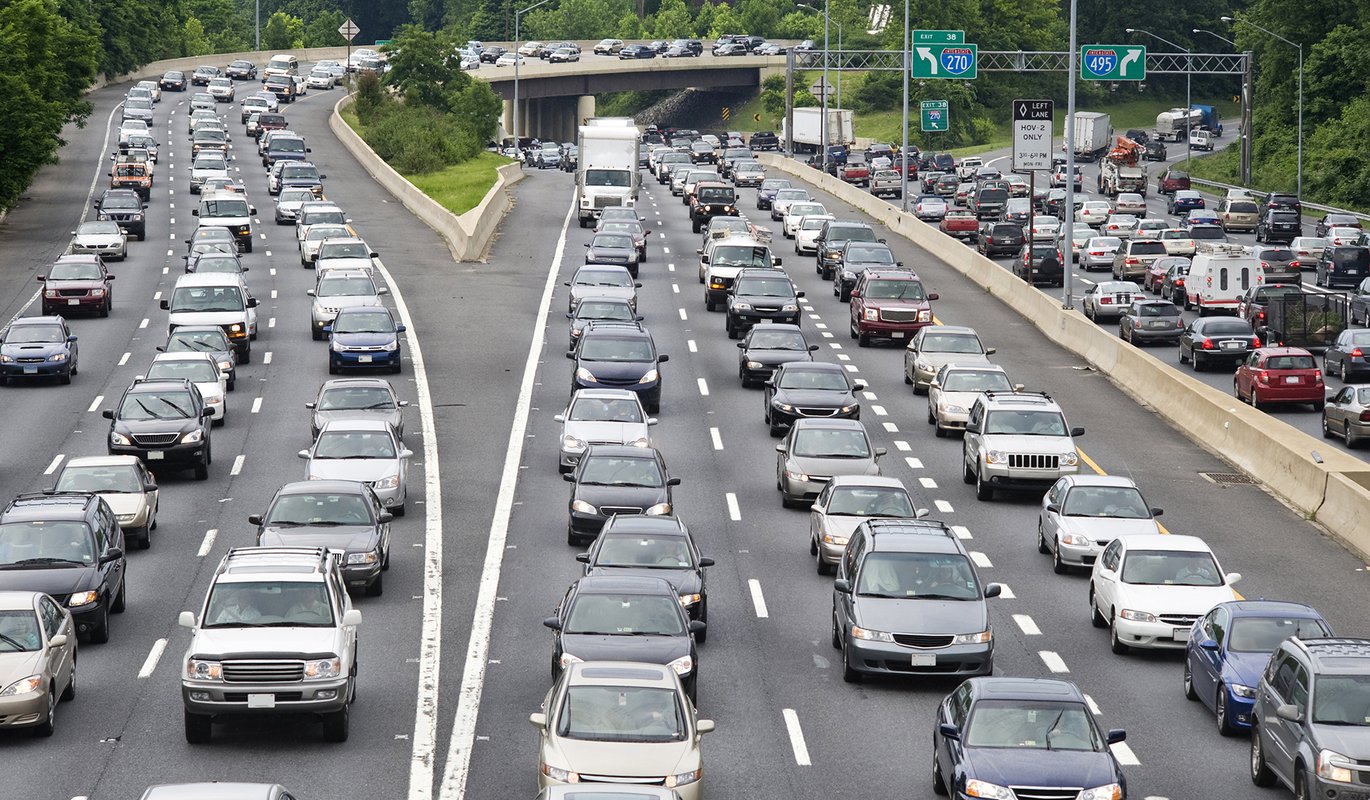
(1113, 62)
(939, 37)
(935, 115)
(951, 61)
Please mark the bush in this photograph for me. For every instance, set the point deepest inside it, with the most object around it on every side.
(877, 91)
(370, 97)
(416, 139)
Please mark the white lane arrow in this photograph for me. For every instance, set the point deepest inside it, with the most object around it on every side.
(926, 54)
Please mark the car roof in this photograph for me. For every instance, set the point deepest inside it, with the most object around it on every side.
(1100, 480)
(621, 673)
(16, 600)
(1261, 608)
(609, 583)
(310, 487)
(184, 355)
(891, 273)
(355, 425)
(881, 481)
(605, 394)
(1166, 541)
(828, 424)
(812, 366)
(47, 320)
(101, 461)
(48, 505)
(196, 329)
(196, 279)
(1283, 351)
(638, 525)
(1026, 689)
(160, 385)
(211, 791)
(622, 451)
(906, 535)
(338, 383)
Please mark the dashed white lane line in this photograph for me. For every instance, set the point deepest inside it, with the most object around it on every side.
(801, 750)
(1006, 593)
(943, 506)
(869, 395)
(94, 404)
(811, 316)
(821, 326)
(156, 295)
(675, 288)
(1053, 660)
(274, 294)
(703, 387)
(734, 511)
(716, 437)
(237, 465)
(683, 315)
(980, 559)
(690, 343)
(271, 323)
(273, 269)
(670, 267)
(928, 483)
(758, 600)
(835, 346)
(256, 405)
(123, 359)
(144, 323)
(827, 335)
(1093, 706)
(1125, 755)
(666, 250)
(52, 466)
(962, 532)
(1027, 625)
(207, 543)
(266, 359)
(154, 655)
(851, 368)
(913, 462)
(890, 427)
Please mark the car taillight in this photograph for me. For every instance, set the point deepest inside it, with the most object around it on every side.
(1263, 376)
(1356, 353)
(1265, 265)
(1106, 301)
(1255, 341)
(1208, 344)
(1260, 316)
(1364, 416)
(1179, 281)
(1096, 252)
(1137, 323)
(1131, 261)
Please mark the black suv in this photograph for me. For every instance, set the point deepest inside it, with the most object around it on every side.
(69, 545)
(1278, 225)
(1342, 267)
(125, 208)
(759, 295)
(711, 200)
(1285, 201)
(833, 238)
(1000, 239)
(1308, 728)
(619, 355)
(764, 140)
(616, 479)
(162, 421)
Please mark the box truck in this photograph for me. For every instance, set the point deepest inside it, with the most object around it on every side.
(1093, 134)
(808, 123)
(606, 172)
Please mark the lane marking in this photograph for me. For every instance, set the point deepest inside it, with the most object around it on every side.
(822, 326)
(717, 439)
(124, 358)
(961, 531)
(879, 410)
(256, 405)
(734, 512)
(682, 313)
(271, 323)
(154, 655)
(237, 465)
(1125, 755)
(208, 542)
(902, 446)
(703, 387)
(52, 466)
(928, 483)
(980, 559)
(1093, 706)
(1006, 592)
(690, 343)
(890, 427)
(1053, 660)
(675, 288)
(754, 586)
(801, 750)
(144, 323)
(94, 404)
(943, 506)
(156, 295)
(869, 395)
(1026, 625)
(266, 359)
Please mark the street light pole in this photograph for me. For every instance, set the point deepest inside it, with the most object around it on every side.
(518, 14)
(839, 72)
(823, 123)
(1215, 36)
(1299, 47)
(904, 153)
(1188, 98)
(258, 27)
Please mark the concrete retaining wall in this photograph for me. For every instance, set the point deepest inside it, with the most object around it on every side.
(1335, 490)
(469, 235)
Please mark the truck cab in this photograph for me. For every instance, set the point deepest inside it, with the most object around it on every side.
(607, 169)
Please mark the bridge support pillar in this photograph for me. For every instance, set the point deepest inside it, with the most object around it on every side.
(585, 108)
(507, 118)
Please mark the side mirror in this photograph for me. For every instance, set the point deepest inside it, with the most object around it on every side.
(251, 302)
(705, 726)
(920, 513)
(949, 731)
(539, 719)
(842, 585)
(112, 554)
(386, 516)
(206, 412)
(798, 294)
(741, 345)
(107, 414)
(1116, 735)
(859, 386)
(880, 451)
(583, 558)
(303, 454)
(400, 328)
(1156, 512)
(309, 292)
(637, 286)
(993, 590)
(1018, 387)
(569, 478)
(781, 448)
(194, 212)
(552, 622)
(587, 244)
(1209, 644)
(1077, 431)
(571, 354)
(254, 519)
(186, 620)
(326, 329)
(559, 418)
(672, 481)
(1233, 577)
(697, 626)
(933, 296)
(166, 305)
(776, 261)
(706, 562)
(662, 358)
(972, 428)
(253, 210)
(652, 420)
(351, 618)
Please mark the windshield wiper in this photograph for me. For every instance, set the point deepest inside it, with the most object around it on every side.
(24, 562)
(17, 646)
(1052, 729)
(935, 596)
(882, 594)
(179, 410)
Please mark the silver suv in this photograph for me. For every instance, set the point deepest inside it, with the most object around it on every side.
(277, 635)
(1017, 441)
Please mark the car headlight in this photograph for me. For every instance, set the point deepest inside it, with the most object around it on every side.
(755, 365)
(796, 476)
(978, 788)
(1070, 459)
(193, 437)
(57, 357)
(572, 443)
(104, 217)
(641, 441)
(832, 256)
(1239, 690)
(925, 315)
(583, 374)
(225, 366)
(683, 778)
(1109, 791)
(996, 457)
(337, 347)
(950, 408)
(197, 670)
(1335, 767)
(659, 510)
(742, 306)
(367, 557)
(848, 409)
(870, 314)
(322, 668)
(829, 538)
(79, 599)
(687, 600)
(23, 686)
(789, 307)
(583, 507)
(392, 482)
(858, 632)
(119, 439)
(983, 637)
(51, 293)
(683, 665)
(97, 292)
(649, 376)
(1076, 540)
(1137, 616)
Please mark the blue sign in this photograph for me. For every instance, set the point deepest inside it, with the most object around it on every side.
(957, 60)
(1100, 62)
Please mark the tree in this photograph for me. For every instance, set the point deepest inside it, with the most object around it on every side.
(282, 32)
(195, 42)
(322, 30)
(672, 21)
(629, 26)
(724, 20)
(424, 67)
(799, 25)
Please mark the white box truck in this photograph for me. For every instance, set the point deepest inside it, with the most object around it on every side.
(808, 123)
(606, 173)
(1093, 134)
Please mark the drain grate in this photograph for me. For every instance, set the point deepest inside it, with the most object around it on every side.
(1229, 478)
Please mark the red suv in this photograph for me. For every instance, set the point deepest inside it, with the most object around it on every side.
(1172, 180)
(889, 304)
(76, 283)
(1279, 375)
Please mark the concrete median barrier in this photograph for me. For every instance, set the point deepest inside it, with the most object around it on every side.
(1319, 480)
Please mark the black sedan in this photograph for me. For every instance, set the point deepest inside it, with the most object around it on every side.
(993, 733)
(625, 618)
(344, 516)
(1209, 340)
(766, 347)
(599, 309)
(1148, 321)
(173, 81)
(658, 547)
(618, 249)
(810, 389)
(636, 51)
(616, 479)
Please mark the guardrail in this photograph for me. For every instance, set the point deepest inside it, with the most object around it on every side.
(1306, 204)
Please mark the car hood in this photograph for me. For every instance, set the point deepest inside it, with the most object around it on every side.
(774, 357)
(275, 641)
(58, 582)
(617, 370)
(124, 503)
(30, 350)
(206, 317)
(1353, 742)
(350, 469)
(1028, 444)
(348, 301)
(598, 255)
(647, 649)
(684, 581)
(1103, 529)
(322, 417)
(814, 398)
(833, 466)
(766, 300)
(921, 616)
(98, 238)
(327, 263)
(618, 292)
(636, 496)
(963, 399)
(939, 360)
(14, 666)
(1031, 767)
(1246, 669)
(341, 537)
(622, 432)
(366, 339)
(841, 525)
(1188, 600)
(627, 759)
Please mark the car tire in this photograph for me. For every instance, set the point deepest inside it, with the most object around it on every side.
(1327, 432)
(983, 491)
(836, 636)
(1042, 540)
(202, 470)
(1347, 436)
(1344, 373)
(377, 587)
(1224, 721)
(822, 567)
(315, 334)
(849, 675)
(967, 476)
(99, 633)
(709, 305)
(1095, 618)
(1261, 775)
(69, 693)
(863, 340)
(1189, 693)
(1114, 643)
(49, 724)
(144, 536)
(1183, 358)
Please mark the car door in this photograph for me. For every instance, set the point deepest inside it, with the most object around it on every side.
(108, 536)
(817, 518)
(1242, 380)
(61, 660)
(952, 711)
(1206, 668)
(1106, 578)
(1338, 410)
(1282, 735)
(1051, 519)
(970, 447)
(846, 569)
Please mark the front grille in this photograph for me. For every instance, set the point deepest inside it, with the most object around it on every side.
(281, 697)
(922, 640)
(1044, 793)
(605, 202)
(272, 671)
(766, 309)
(72, 292)
(815, 412)
(623, 510)
(1033, 461)
(628, 779)
(898, 315)
(31, 359)
(155, 439)
(1179, 619)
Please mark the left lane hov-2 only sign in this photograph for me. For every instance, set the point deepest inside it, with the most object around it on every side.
(1032, 134)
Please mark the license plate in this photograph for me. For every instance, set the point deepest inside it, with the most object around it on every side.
(73, 302)
(261, 701)
(1232, 345)
(921, 660)
(1160, 324)
(155, 455)
(896, 334)
(1181, 634)
(1292, 379)
(30, 370)
(364, 359)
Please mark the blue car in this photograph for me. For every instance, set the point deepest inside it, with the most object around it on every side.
(37, 347)
(1230, 647)
(997, 736)
(363, 337)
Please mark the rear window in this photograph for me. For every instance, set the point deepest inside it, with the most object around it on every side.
(1242, 207)
(1357, 258)
(1227, 327)
(1157, 310)
(1148, 249)
(1290, 362)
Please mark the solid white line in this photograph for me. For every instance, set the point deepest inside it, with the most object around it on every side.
(801, 750)
(266, 359)
(94, 404)
(1093, 706)
(734, 512)
(256, 405)
(902, 446)
(208, 543)
(1026, 624)
(703, 387)
(458, 764)
(754, 586)
(980, 559)
(928, 483)
(153, 656)
(717, 439)
(1053, 661)
(961, 531)
(237, 465)
(943, 506)
(124, 358)
(682, 313)
(1125, 755)
(52, 467)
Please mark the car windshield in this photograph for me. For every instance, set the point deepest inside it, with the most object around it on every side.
(716, 194)
(1264, 634)
(348, 286)
(294, 196)
(765, 287)
(1206, 232)
(608, 177)
(622, 226)
(35, 334)
(1147, 249)
(74, 272)
(775, 184)
(209, 134)
(117, 479)
(1155, 310)
(604, 277)
(1223, 327)
(299, 171)
(869, 255)
(354, 444)
(870, 501)
(969, 381)
(605, 409)
(636, 550)
(895, 290)
(318, 509)
(823, 380)
(617, 471)
(931, 576)
(740, 256)
(951, 343)
(804, 209)
(1121, 502)
(364, 322)
(210, 161)
(596, 309)
(1021, 724)
(1026, 423)
(791, 195)
(119, 202)
(763, 339)
(330, 216)
(819, 443)
(624, 615)
(1342, 700)
(604, 348)
(1175, 233)
(1170, 568)
(320, 73)
(812, 224)
(210, 209)
(197, 341)
(621, 714)
(612, 241)
(269, 604)
(45, 543)
(156, 405)
(19, 632)
(198, 371)
(366, 398)
(852, 234)
(329, 250)
(206, 299)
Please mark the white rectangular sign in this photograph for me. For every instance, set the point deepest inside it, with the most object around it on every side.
(1031, 145)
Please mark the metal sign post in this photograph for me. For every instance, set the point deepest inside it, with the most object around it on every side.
(348, 30)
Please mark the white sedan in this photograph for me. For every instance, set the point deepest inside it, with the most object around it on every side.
(1093, 212)
(320, 79)
(795, 213)
(806, 238)
(105, 239)
(200, 369)
(1177, 242)
(1149, 590)
(1081, 514)
(1130, 203)
(509, 59)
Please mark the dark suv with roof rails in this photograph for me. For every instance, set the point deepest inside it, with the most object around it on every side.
(126, 208)
(831, 240)
(162, 421)
(760, 295)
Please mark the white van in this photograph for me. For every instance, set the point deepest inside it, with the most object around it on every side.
(215, 298)
(282, 64)
(1219, 275)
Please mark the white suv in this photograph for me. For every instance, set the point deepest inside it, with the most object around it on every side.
(1017, 441)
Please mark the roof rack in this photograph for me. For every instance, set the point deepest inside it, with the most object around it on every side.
(601, 324)
(239, 556)
(921, 524)
(1220, 248)
(1017, 395)
(50, 493)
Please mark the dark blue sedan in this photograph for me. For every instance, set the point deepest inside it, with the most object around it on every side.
(1230, 647)
(363, 337)
(636, 51)
(996, 736)
(37, 347)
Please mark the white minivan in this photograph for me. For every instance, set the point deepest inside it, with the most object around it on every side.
(282, 64)
(215, 298)
(1219, 275)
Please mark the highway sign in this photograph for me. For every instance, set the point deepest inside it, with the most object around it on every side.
(818, 88)
(756, 118)
(945, 61)
(939, 37)
(935, 115)
(726, 113)
(1113, 62)
(1032, 134)
(349, 30)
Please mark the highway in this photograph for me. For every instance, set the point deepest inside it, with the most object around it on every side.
(768, 650)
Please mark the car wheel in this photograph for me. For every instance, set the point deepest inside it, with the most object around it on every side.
(1095, 618)
(1042, 539)
(119, 602)
(1260, 771)
(967, 476)
(65, 377)
(1189, 692)
(983, 491)
(69, 693)
(863, 340)
(49, 724)
(1183, 359)
(1326, 429)
(822, 567)
(377, 587)
(1114, 643)
(1347, 436)
(1344, 374)
(315, 334)
(848, 674)
(836, 636)
(939, 431)
(99, 632)
(709, 305)
(1225, 727)
(335, 725)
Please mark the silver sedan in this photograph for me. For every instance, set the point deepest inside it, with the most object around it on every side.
(816, 450)
(846, 502)
(937, 345)
(601, 416)
(1098, 253)
(1081, 514)
(368, 451)
(1347, 414)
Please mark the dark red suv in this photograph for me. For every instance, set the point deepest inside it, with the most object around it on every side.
(889, 304)
(1171, 181)
(76, 283)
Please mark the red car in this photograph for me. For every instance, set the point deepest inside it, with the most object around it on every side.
(76, 283)
(889, 304)
(1172, 180)
(1280, 375)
